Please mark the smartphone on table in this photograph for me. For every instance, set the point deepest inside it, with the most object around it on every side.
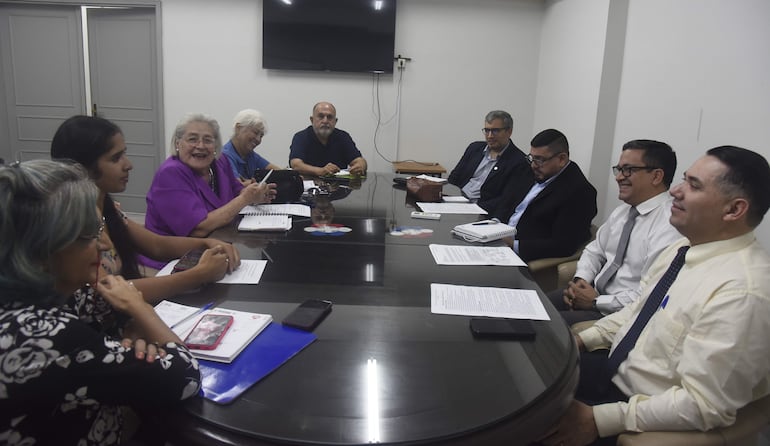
(209, 331)
(189, 260)
(308, 314)
(519, 329)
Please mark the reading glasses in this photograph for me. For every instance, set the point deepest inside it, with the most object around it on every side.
(629, 170)
(92, 237)
(195, 139)
(494, 130)
(538, 161)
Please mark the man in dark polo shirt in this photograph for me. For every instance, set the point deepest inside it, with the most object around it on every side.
(321, 149)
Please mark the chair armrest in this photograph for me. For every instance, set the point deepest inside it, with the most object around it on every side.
(541, 264)
(566, 271)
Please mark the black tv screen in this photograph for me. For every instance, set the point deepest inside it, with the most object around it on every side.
(328, 35)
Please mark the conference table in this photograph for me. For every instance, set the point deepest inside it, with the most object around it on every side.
(436, 383)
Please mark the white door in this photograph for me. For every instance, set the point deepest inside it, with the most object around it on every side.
(42, 76)
(122, 48)
(44, 82)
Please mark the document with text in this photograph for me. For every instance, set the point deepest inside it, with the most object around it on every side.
(250, 272)
(486, 301)
(475, 255)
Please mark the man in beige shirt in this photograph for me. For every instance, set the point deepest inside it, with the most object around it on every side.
(693, 349)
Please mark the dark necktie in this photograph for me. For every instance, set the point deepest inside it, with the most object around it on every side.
(620, 253)
(648, 309)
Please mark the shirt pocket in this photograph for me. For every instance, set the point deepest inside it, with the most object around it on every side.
(663, 341)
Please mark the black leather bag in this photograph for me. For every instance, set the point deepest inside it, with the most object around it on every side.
(288, 184)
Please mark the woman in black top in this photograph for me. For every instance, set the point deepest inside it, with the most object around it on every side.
(61, 380)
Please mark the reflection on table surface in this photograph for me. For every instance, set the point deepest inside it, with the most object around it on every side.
(435, 383)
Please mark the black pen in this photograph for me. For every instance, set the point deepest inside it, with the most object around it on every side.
(484, 222)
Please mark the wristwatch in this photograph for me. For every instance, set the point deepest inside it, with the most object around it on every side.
(593, 305)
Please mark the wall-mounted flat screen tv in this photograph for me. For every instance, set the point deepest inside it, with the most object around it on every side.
(328, 35)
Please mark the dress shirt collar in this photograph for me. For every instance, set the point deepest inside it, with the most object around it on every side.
(651, 204)
(706, 251)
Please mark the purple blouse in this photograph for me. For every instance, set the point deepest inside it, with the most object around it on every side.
(178, 199)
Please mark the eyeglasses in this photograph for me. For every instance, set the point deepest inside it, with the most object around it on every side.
(540, 161)
(629, 170)
(92, 237)
(195, 139)
(494, 131)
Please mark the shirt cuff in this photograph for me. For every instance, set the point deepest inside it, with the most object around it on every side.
(609, 419)
(516, 246)
(591, 338)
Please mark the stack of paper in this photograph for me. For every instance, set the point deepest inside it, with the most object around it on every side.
(484, 231)
(246, 326)
(265, 223)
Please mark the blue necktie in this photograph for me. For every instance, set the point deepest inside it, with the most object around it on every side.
(650, 307)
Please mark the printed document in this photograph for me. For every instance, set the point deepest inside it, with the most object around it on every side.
(250, 272)
(486, 301)
(475, 255)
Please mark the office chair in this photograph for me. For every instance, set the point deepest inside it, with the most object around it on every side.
(546, 272)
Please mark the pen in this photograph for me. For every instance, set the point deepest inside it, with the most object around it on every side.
(484, 222)
(266, 177)
(203, 308)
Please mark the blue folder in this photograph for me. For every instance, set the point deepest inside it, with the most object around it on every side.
(276, 344)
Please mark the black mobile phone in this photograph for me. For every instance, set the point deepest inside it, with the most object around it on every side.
(308, 314)
(502, 328)
(209, 331)
(189, 260)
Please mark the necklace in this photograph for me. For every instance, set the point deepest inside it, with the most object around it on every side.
(212, 180)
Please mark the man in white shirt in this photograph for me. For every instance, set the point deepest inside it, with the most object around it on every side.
(607, 279)
(693, 350)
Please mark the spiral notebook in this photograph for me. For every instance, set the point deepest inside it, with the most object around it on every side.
(265, 223)
(301, 210)
(484, 231)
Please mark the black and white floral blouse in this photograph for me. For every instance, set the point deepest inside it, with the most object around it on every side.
(62, 381)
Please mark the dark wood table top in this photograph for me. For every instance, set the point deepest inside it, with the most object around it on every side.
(437, 384)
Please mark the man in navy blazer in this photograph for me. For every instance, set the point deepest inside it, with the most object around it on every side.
(552, 218)
(487, 167)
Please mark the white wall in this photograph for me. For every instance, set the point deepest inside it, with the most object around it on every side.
(569, 74)
(468, 58)
(695, 75)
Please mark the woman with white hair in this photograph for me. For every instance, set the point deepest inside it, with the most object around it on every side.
(194, 191)
(62, 380)
(249, 127)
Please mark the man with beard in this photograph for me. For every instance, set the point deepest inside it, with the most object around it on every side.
(488, 167)
(553, 217)
(321, 149)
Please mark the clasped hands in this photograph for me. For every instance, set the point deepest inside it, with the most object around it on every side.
(580, 295)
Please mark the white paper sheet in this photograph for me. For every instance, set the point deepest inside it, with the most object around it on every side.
(451, 208)
(486, 301)
(475, 255)
(250, 272)
(455, 199)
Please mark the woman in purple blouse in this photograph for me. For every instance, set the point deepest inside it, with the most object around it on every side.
(195, 192)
